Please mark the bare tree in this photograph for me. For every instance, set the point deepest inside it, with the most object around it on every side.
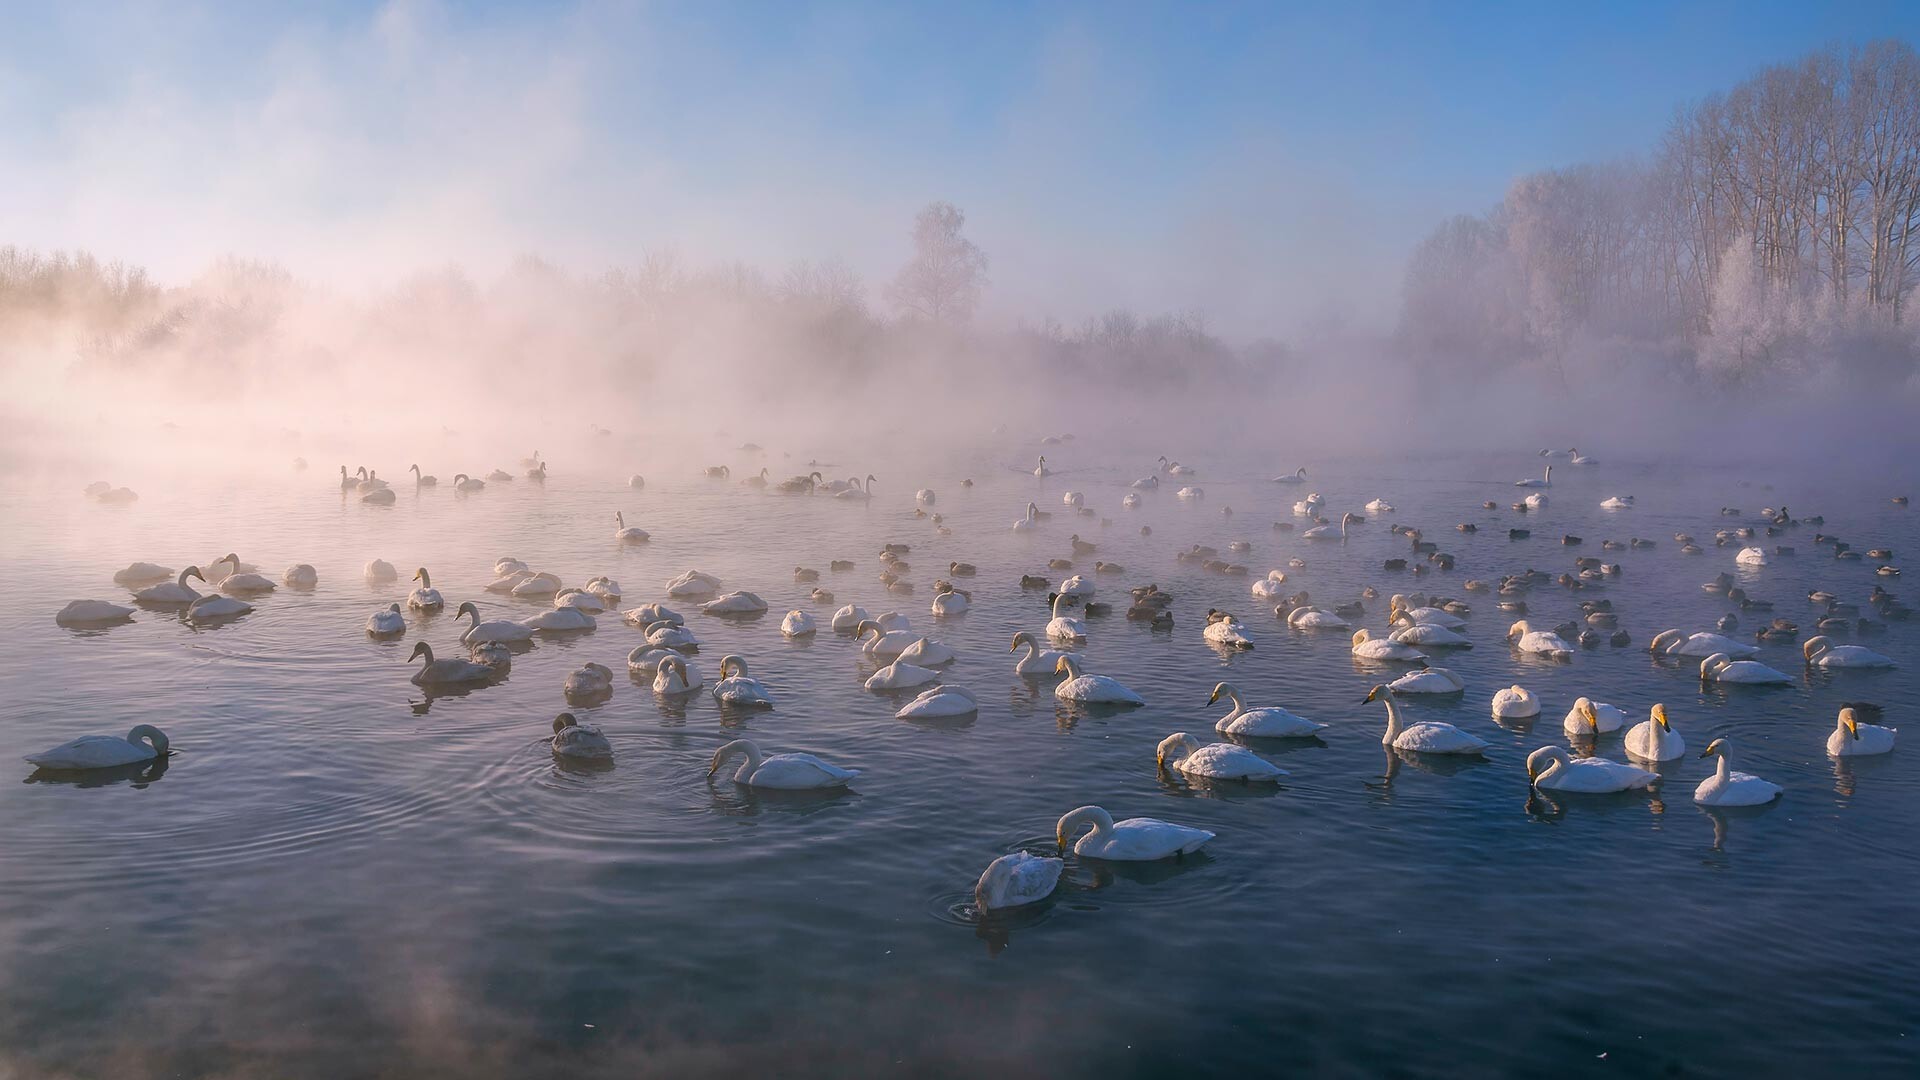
(944, 279)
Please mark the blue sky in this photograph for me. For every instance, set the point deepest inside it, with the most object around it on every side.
(1269, 165)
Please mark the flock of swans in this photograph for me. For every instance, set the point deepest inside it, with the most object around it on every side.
(1418, 626)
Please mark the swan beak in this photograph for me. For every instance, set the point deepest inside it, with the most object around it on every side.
(1061, 839)
(1660, 714)
(1853, 729)
(1708, 752)
(1214, 697)
(1160, 759)
(1531, 775)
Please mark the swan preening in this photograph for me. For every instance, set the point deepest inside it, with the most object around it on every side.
(390, 622)
(1591, 718)
(143, 743)
(738, 689)
(1676, 643)
(1132, 840)
(940, 702)
(1515, 703)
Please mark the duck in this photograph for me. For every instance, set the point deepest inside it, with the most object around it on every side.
(782, 772)
(797, 624)
(589, 680)
(1516, 702)
(1091, 689)
(1676, 643)
(1132, 840)
(210, 608)
(445, 672)
(901, 675)
(478, 632)
(1539, 642)
(387, 623)
(1227, 630)
(1270, 722)
(1038, 661)
(1851, 738)
(1590, 718)
(1719, 668)
(1368, 647)
(631, 534)
(143, 742)
(1431, 680)
(673, 675)
(1538, 482)
(426, 597)
(171, 592)
(1017, 880)
(572, 739)
(1215, 761)
(1425, 737)
(1822, 652)
(1550, 768)
(1298, 476)
(1064, 627)
(1728, 788)
(1654, 739)
(940, 702)
(737, 689)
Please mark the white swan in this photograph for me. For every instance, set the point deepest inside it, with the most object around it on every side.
(1311, 618)
(1719, 668)
(737, 689)
(857, 494)
(1017, 880)
(1617, 502)
(140, 573)
(1271, 587)
(1065, 627)
(426, 597)
(1214, 761)
(1654, 739)
(1174, 468)
(1515, 703)
(1535, 501)
(1751, 556)
(1038, 661)
(445, 672)
(735, 603)
(1368, 647)
(573, 739)
(891, 621)
(1191, 491)
(667, 635)
(1379, 506)
(646, 615)
(1130, 502)
(797, 624)
(380, 570)
(673, 675)
(1728, 788)
(1308, 506)
(301, 575)
(560, 620)
(1271, 722)
(1299, 476)
(693, 583)
(579, 598)
(1429, 634)
(1133, 840)
(536, 585)
(938, 703)
(1031, 521)
(1539, 642)
(587, 680)
(1073, 499)
(928, 652)
(494, 630)
(210, 608)
(1590, 718)
(785, 772)
(632, 534)
(849, 617)
(1146, 483)
(463, 482)
(1551, 768)
(143, 743)
(1041, 469)
(901, 675)
(171, 592)
(1851, 738)
(1400, 611)
(1425, 737)
(1675, 643)
(885, 644)
(421, 479)
(924, 497)
(380, 497)
(1575, 457)
(1822, 652)
(1544, 481)
(950, 601)
(1226, 630)
(1330, 532)
(1096, 689)
(1078, 587)
(1432, 680)
(387, 623)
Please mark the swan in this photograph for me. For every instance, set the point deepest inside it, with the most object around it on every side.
(347, 482)
(1675, 643)
(673, 675)
(1214, 761)
(857, 494)
(623, 531)
(445, 672)
(738, 689)
(421, 479)
(1851, 738)
(1133, 840)
(541, 584)
(1515, 703)
(140, 573)
(940, 702)
(1431, 680)
(1191, 491)
(1425, 737)
(463, 482)
(1146, 483)
(1654, 739)
(646, 615)
(1271, 722)
(1017, 880)
(1271, 587)
(1130, 502)
(573, 739)
(1310, 618)
(719, 472)
(948, 600)
(636, 482)
(1591, 718)
(1368, 647)
(531, 460)
(786, 772)
(1728, 788)
(380, 497)
(371, 483)
(1539, 642)
(901, 675)
(1308, 506)
(1379, 506)
(301, 576)
(380, 570)
(143, 743)
(1038, 661)
(1077, 587)
(499, 476)
(1041, 469)
(1174, 468)
(759, 481)
(849, 618)
(1065, 627)
(886, 644)
(1429, 634)
(1091, 688)
(1074, 500)
(1575, 457)
(924, 497)
(607, 589)
(1718, 668)
(560, 620)
(1551, 769)
(507, 564)
(479, 632)
(1822, 652)
(1751, 556)
(797, 624)
(426, 597)
(209, 608)
(1299, 476)
(1330, 532)
(1545, 481)
(387, 623)
(1535, 501)
(1617, 502)
(693, 583)
(666, 635)
(927, 651)
(1031, 521)
(734, 603)
(171, 592)
(588, 681)
(892, 620)
(1224, 629)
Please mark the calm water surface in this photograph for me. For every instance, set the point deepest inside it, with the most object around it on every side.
(337, 875)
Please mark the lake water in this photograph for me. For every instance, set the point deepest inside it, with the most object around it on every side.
(337, 876)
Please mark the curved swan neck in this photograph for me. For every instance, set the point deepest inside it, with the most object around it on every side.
(1393, 719)
(426, 582)
(154, 736)
(737, 746)
(1096, 818)
(738, 665)
(1072, 666)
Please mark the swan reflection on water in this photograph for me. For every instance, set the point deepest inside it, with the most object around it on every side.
(138, 774)
(741, 800)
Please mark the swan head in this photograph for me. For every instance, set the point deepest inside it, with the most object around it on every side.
(1815, 646)
(466, 608)
(1711, 665)
(1066, 665)
(1658, 714)
(1849, 723)
(1585, 710)
(1378, 692)
(1223, 688)
(735, 663)
(153, 735)
(1175, 747)
(1361, 637)
(420, 575)
(194, 571)
(1543, 759)
(420, 649)
(737, 746)
(1717, 746)
(564, 721)
(1665, 640)
(1070, 823)
(1021, 638)
(1518, 630)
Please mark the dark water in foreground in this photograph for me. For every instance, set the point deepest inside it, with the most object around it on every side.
(336, 876)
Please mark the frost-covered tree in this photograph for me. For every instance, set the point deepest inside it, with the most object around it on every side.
(944, 279)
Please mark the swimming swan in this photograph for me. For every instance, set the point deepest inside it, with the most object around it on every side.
(1214, 761)
(785, 772)
(573, 739)
(1515, 703)
(1851, 738)
(1551, 768)
(1654, 739)
(105, 751)
(1822, 652)
(1592, 718)
(1017, 880)
(1271, 722)
(387, 623)
(1718, 668)
(1728, 788)
(737, 689)
(426, 597)
(493, 630)
(632, 534)
(171, 592)
(1545, 481)
(1038, 661)
(445, 672)
(1093, 689)
(1425, 737)
(1065, 627)
(1539, 642)
(940, 702)
(1368, 647)
(1132, 840)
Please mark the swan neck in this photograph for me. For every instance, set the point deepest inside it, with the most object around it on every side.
(1393, 720)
